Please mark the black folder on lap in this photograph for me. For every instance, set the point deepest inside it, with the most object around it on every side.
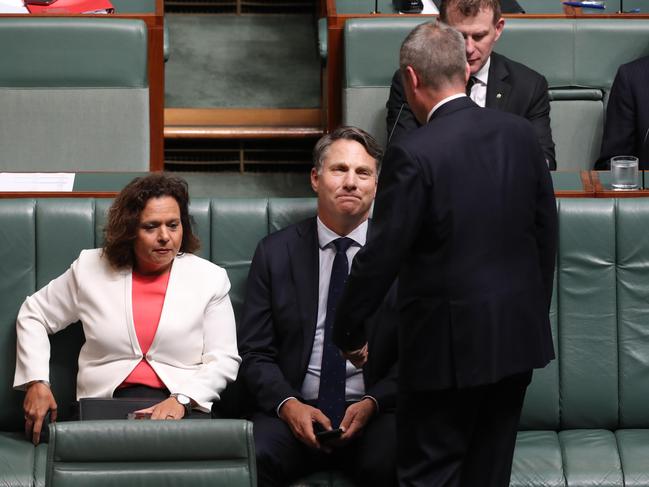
(507, 6)
(112, 408)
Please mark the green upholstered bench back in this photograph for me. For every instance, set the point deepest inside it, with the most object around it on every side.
(599, 312)
(599, 318)
(578, 57)
(73, 94)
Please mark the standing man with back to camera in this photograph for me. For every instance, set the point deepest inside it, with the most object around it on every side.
(495, 82)
(465, 216)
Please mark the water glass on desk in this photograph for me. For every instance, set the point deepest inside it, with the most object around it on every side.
(624, 172)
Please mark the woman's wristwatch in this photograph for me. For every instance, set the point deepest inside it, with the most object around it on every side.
(184, 401)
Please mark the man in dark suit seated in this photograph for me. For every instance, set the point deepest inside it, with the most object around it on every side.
(496, 81)
(299, 380)
(465, 215)
(626, 132)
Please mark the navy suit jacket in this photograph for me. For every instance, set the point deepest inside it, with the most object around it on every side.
(465, 215)
(276, 333)
(626, 131)
(512, 87)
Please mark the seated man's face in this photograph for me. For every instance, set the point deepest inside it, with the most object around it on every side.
(346, 184)
(480, 34)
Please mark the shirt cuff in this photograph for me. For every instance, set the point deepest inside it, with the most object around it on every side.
(282, 403)
(376, 403)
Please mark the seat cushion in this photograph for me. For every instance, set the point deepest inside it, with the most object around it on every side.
(17, 457)
(633, 446)
(537, 460)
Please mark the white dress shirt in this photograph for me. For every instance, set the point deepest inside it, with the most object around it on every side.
(355, 385)
(479, 88)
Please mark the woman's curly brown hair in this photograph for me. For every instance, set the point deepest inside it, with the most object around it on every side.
(124, 216)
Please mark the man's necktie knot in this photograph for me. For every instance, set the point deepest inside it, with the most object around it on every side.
(342, 244)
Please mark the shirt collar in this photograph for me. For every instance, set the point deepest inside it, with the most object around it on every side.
(445, 100)
(483, 74)
(326, 235)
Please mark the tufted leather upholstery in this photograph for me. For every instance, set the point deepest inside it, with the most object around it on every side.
(585, 420)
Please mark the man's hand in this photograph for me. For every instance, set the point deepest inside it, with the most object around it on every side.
(167, 409)
(300, 418)
(38, 401)
(357, 357)
(356, 417)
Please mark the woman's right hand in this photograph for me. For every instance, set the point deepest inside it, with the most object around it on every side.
(38, 401)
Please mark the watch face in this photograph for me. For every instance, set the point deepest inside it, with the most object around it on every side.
(182, 399)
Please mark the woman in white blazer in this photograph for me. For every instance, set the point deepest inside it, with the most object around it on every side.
(191, 352)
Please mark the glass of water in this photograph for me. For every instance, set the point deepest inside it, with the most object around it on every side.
(624, 172)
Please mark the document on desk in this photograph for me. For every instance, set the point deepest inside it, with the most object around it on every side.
(37, 181)
(13, 7)
(429, 7)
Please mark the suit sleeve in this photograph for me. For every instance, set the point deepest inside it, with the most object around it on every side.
(538, 114)
(619, 130)
(547, 229)
(258, 342)
(51, 309)
(400, 119)
(398, 212)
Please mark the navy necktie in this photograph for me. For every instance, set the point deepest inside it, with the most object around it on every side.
(331, 396)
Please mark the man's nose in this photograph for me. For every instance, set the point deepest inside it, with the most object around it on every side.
(350, 180)
(470, 46)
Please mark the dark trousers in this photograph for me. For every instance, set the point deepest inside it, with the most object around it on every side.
(460, 437)
(369, 459)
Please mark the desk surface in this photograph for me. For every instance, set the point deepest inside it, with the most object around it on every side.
(583, 184)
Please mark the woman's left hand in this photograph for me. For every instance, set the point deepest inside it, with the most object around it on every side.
(167, 409)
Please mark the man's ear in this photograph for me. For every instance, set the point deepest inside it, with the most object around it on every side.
(314, 179)
(411, 78)
(467, 73)
(500, 25)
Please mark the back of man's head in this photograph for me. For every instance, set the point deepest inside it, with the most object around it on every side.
(436, 53)
(469, 8)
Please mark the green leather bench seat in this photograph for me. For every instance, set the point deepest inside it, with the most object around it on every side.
(578, 57)
(74, 94)
(585, 420)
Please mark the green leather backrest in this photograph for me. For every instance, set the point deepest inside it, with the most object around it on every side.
(599, 311)
(632, 292)
(69, 89)
(587, 314)
(184, 453)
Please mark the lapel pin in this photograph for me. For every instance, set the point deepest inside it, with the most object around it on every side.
(499, 95)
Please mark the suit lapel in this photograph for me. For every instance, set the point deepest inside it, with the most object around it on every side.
(498, 87)
(305, 269)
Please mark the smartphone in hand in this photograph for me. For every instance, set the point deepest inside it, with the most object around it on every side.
(323, 435)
